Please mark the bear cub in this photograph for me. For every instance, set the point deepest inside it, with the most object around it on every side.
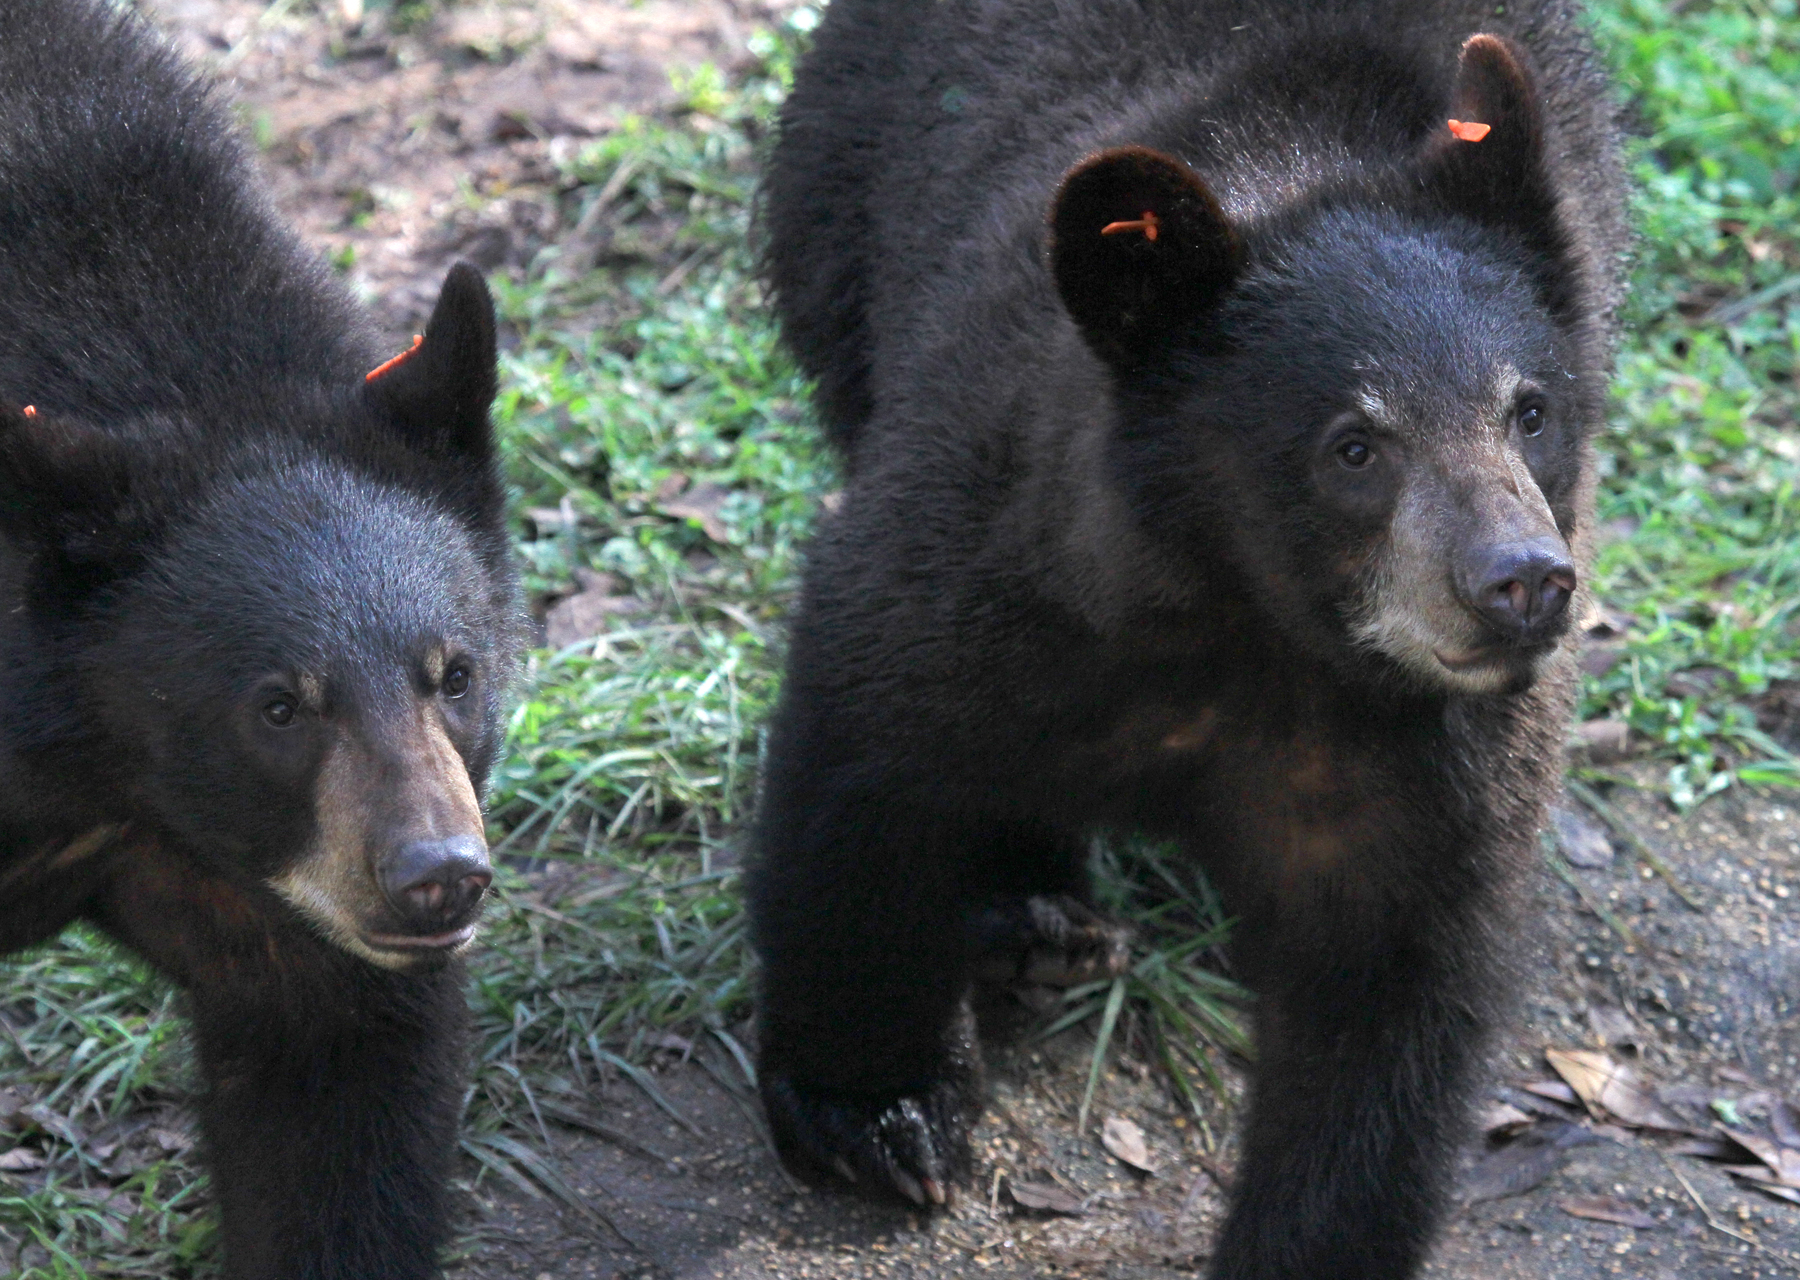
(1215, 381)
(258, 628)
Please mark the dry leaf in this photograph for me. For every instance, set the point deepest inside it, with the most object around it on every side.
(1126, 1141)
(54, 1123)
(1525, 1162)
(1602, 623)
(1783, 1162)
(21, 1160)
(1775, 1189)
(171, 1140)
(585, 615)
(1046, 1197)
(1606, 1209)
(1705, 1148)
(1555, 1090)
(1612, 1025)
(703, 503)
(1611, 1088)
(1503, 1119)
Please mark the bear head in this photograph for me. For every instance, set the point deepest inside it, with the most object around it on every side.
(1366, 413)
(285, 646)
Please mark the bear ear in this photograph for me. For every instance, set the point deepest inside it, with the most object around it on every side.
(1139, 248)
(66, 493)
(1489, 162)
(437, 394)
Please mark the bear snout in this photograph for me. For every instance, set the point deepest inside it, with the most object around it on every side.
(435, 885)
(1521, 589)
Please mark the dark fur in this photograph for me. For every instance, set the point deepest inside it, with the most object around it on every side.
(209, 503)
(1093, 570)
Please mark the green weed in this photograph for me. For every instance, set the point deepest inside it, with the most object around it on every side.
(1701, 462)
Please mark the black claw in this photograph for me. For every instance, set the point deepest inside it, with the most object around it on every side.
(908, 1185)
(912, 1147)
(1050, 940)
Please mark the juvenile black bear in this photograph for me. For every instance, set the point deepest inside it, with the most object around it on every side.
(259, 622)
(1215, 380)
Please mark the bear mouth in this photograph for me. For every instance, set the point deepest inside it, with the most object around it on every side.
(1486, 657)
(449, 940)
(1471, 658)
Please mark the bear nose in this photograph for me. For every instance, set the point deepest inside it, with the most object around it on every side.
(434, 884)
(1522, 589)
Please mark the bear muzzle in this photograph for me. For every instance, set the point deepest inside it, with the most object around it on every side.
(434, 888)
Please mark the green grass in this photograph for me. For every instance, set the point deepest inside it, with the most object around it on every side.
(1702, 460)
(647, 372)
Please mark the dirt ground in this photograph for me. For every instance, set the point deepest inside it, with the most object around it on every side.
(1700, 1006)
(407, 145)
(406, 150)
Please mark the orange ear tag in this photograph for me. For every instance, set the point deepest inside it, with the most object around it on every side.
(1146, 224)
(1468, 130)
(402, 358)
(30, 411)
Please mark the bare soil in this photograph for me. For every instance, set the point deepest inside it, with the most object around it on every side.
(404, 143)
(404, 149)
(1701, 1005)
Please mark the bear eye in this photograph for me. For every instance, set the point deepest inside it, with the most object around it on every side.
(456, 681)
(1531, 418)
(1355, 454)
(279, 711)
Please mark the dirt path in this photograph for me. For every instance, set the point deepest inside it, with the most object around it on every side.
(1701, 1006)
(399, 147)
(400, 150)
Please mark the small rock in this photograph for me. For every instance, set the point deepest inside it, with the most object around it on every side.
(1605, 741)
(1581, 837)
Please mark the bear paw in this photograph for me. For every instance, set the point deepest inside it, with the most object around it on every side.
(913, 1146)
(1051, 941)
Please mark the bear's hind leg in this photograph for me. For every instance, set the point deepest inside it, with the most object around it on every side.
(334, 1087)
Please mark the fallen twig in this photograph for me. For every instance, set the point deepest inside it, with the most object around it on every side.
(1567, 875)
(1712, 1219)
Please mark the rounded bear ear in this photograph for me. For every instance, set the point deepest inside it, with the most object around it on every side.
(437, 394)
(66, 493)
(1489, 163)
(1139, 248)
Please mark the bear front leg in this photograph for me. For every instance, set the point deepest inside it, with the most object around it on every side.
(334, 1087)
(860, 907)
(1369, 1020)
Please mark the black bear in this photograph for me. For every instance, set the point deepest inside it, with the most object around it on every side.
(259, 624)
(1215, 381)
